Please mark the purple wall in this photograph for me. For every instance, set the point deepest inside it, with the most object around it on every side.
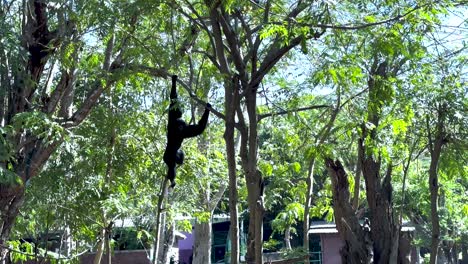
(331, 245)
(185, 248)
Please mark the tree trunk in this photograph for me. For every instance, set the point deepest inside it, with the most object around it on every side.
(464, 253)
(9, 209)
(436, 149)
(379, 197)
(254, 180)
(308, 202)
(357, 177)
(404, 249)
(357, 243)
(202, 244)
(22, 95)
(167, 242)
(161, 236)
(231, 98)
(384, 230)
(287, 238)
(100, 247)
(159, 220)
(255, 233)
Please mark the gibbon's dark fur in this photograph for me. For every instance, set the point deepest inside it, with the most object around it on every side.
(177, 131)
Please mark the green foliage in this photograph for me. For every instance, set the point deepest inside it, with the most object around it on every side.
(294, 253)
(9, 178)
(292, 213)
(271, 245)
(20, 247)
(6, 146)
(40, 125)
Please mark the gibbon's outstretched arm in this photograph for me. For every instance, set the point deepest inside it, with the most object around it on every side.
(195, 130)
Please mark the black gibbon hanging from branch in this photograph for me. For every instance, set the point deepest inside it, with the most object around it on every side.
(177, 131)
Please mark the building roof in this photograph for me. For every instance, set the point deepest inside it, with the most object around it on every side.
(322, 227)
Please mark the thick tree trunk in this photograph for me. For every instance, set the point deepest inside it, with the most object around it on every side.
(357, 243)
(384, 230)
(202, 244)
(259, 230)
(404, 249)
(255, 233)
(379, 197)
(464, 253)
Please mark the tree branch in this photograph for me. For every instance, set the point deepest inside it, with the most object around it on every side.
(200, 101)
(262, 116)
(163, 73)
(358, 26)
(233, 47)
(275, 53)
(219, 44)
(217, 197)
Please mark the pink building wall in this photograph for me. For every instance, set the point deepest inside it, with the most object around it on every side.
(331, 245)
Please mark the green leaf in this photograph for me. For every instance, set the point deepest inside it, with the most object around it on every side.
(296, 166)
(370, 19)
(399, 126)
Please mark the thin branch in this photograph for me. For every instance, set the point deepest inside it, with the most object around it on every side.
(209, 56)
(359, 26)
(274, 54)
(199, 21)
(219, 43)
(163, 73)
(354, 96)
(217, 197)
(200, 101)
(262, 116)
(233, 43)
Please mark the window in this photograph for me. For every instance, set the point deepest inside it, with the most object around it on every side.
(315, 249)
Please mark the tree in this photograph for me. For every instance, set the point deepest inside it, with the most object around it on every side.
(52, 76)
(442, 128)
(378, 147)
(243, 63)
(286, 219)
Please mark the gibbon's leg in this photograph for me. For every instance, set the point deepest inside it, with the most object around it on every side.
(171, 174)
(171, 167)
(179, 157)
